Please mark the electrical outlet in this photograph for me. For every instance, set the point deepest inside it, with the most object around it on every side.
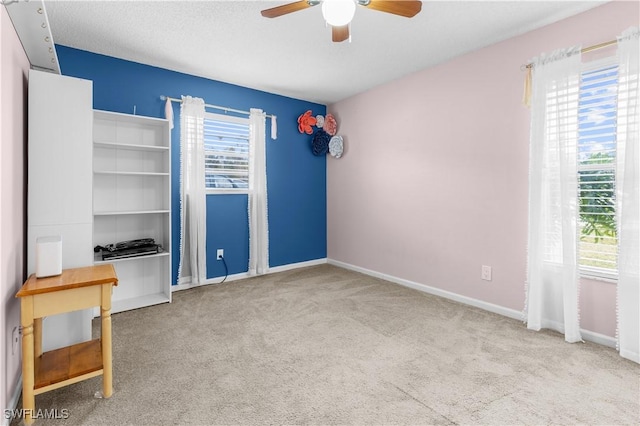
(219, 254)
(15, 339)
(486, 273)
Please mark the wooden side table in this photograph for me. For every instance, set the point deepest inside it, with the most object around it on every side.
(74, 289)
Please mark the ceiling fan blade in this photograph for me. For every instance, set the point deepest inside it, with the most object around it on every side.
(407, 8)
(339, 34)
(274, 12)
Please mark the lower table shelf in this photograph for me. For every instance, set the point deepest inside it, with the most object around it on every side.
(67, 365)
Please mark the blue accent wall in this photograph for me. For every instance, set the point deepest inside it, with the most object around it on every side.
(296, 179)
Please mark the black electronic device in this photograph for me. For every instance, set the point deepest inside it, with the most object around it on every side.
(129, 248)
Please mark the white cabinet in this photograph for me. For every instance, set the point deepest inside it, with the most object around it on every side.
(132, 200)
(59, 186)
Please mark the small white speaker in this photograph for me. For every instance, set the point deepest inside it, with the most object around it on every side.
(48, 256)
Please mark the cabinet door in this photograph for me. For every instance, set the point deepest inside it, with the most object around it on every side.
(59, 192)
(60, 149)
(60, 165)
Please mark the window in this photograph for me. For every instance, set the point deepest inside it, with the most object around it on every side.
(226, 146)
(597, 123)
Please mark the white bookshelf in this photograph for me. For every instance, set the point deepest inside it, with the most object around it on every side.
(131, 200)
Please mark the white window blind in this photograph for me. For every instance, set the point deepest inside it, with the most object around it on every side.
(561, 142)
(597, 118)
(226, 144)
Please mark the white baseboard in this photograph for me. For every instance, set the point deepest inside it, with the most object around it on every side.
(185, 282)
(297, 265)
(511, 313)
(598, 338)
(633, 356)
(12, 404)
(496, 309)
(590, 336)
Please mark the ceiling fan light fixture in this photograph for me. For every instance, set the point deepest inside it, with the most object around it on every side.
(338, 12)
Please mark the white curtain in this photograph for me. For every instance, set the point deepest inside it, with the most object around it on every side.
(628, 196)
(257, 203)
(192, 189)
(552, 276)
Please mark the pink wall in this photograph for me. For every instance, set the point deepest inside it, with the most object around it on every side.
(14, 68)
(434, 180)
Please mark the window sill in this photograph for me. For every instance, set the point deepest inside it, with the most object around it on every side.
(227, 191)
(598, 274)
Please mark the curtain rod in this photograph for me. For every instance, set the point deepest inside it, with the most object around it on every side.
(584, 50)
(225, 109)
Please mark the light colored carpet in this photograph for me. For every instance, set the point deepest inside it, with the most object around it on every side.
(323, 345)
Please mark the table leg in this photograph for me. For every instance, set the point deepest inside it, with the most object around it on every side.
(107, 365)
(28, 374)
(37, 337)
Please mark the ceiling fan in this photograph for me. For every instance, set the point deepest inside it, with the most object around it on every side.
(338, 13)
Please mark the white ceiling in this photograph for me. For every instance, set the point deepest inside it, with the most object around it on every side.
(293, 55)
